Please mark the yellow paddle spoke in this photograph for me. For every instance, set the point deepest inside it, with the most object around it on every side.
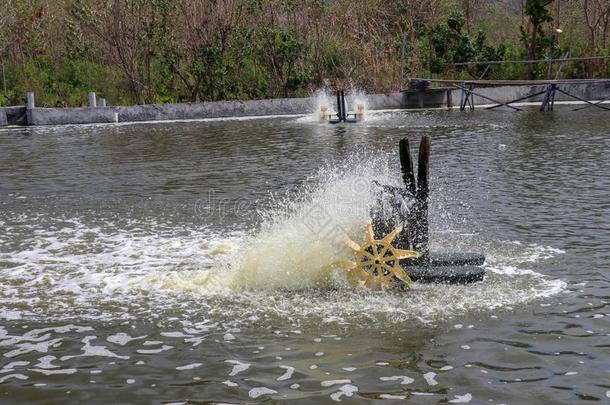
(365, 253)
(389, 238)
(384, 251)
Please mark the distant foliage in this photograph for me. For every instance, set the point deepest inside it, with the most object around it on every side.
(450, 44)
(157, 51)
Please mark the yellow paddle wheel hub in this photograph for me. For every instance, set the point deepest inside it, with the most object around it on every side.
(377, 261)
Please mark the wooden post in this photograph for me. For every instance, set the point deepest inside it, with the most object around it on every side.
(449, 99)
(92, 100)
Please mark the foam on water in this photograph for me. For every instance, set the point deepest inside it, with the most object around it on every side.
(131, 268)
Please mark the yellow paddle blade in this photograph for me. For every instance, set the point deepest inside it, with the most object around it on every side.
(402, 275)
(370, 235)
(389, 238)
(406, 254)
(351, 244)
(343, 264)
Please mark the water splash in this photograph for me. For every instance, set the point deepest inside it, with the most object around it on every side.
(302, 238)
(357, 102)
(324, 105)
(300, 241)
(132, 268)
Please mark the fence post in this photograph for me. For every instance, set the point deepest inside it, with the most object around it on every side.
(92, 100)
(102, 102)
(30, 103)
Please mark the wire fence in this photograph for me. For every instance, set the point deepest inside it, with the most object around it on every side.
(566, 69)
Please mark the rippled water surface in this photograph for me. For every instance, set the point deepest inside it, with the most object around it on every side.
(181, 262)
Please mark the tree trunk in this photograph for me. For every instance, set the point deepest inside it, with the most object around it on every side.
(531, 52)
(467, 14)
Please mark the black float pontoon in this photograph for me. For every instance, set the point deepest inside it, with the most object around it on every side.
(408, 208)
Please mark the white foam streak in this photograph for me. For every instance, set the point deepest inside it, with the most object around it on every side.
(287, 375)
(257, 392)
(238, 367)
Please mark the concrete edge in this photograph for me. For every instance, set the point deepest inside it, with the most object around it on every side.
(432, 98)
(15, 115)
(62, 116)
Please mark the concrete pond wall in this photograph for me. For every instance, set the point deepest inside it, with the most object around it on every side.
(587, 91)
(218, 109)
(431, 98)
(13, 115)
(62, 116)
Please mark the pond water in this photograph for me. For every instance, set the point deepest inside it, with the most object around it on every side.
(180, 262)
